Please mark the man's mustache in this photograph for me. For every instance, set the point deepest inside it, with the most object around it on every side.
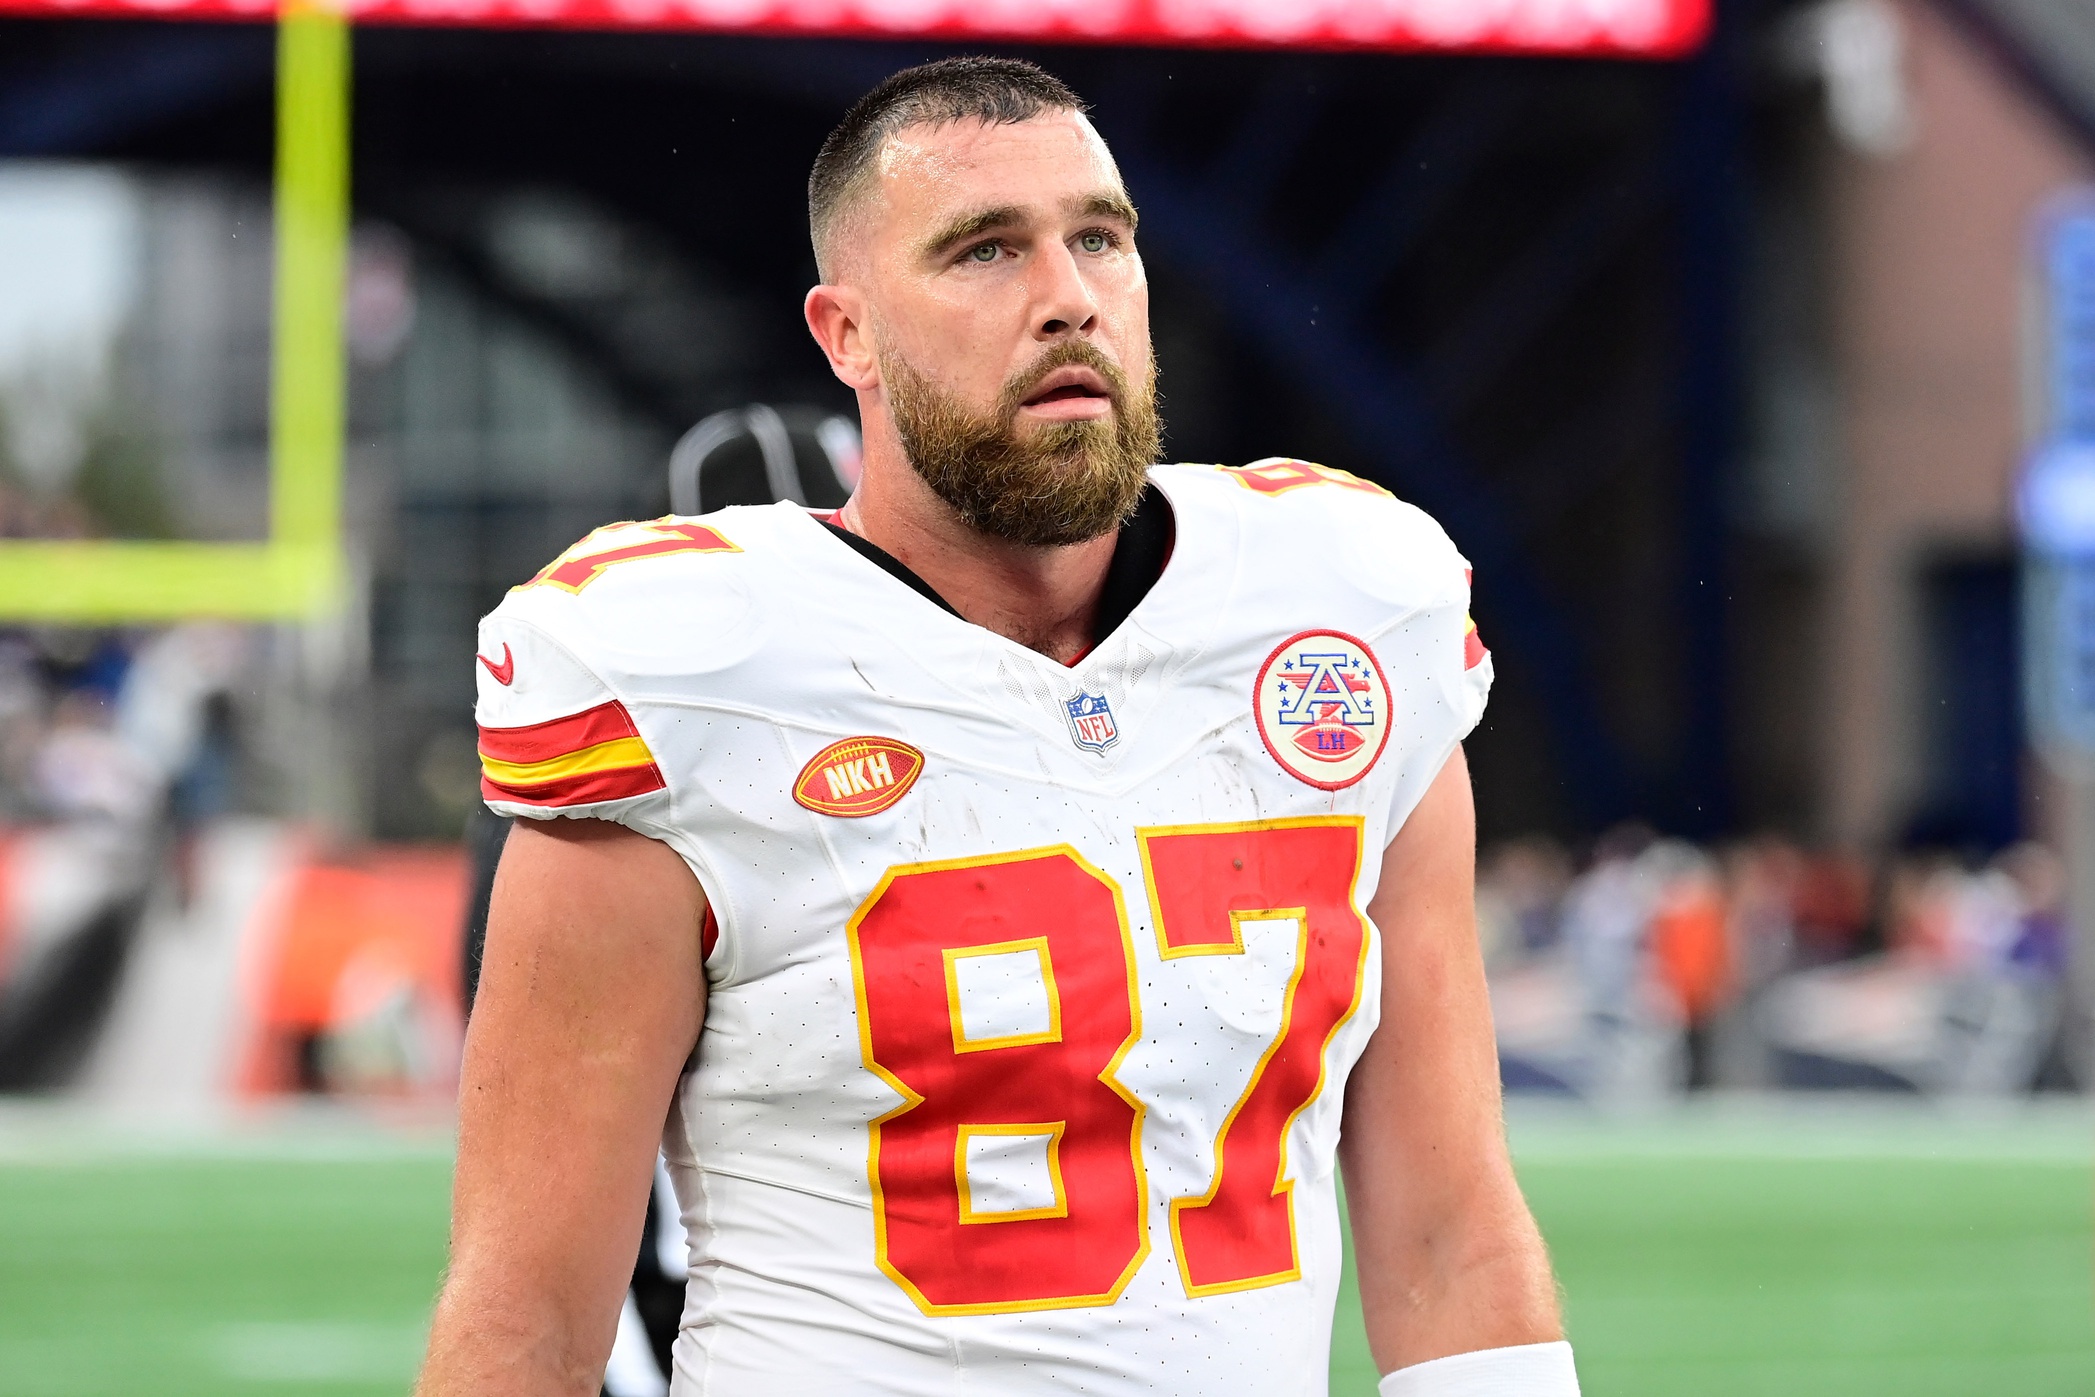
(1020, 385)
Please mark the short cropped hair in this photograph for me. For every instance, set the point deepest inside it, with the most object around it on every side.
(995, 91)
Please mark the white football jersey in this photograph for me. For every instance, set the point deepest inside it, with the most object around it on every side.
(1033, 988)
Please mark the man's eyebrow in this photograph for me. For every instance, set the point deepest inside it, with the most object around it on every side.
(970, 225)
(1106, 204)
(1113, 205)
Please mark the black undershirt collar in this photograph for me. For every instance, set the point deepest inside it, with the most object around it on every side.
(1138, 561)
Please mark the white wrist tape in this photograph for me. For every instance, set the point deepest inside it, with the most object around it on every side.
(1524, 1370)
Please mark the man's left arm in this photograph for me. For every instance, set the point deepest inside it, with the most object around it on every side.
(1450, 1260)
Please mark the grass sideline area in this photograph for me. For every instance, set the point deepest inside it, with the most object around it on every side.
(1841, 1247)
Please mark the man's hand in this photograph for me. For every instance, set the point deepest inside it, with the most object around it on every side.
(591, 997)
(1450, 1260)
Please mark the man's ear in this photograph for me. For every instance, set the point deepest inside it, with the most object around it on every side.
(837, 318)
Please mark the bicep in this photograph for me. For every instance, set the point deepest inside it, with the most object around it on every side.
(1422, 1124)
(592, 993)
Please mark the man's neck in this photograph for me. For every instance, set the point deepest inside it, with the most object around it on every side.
(1046, 599)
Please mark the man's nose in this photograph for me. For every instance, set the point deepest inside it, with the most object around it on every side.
(1063, 302)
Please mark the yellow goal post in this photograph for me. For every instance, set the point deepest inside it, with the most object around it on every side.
(298, 571)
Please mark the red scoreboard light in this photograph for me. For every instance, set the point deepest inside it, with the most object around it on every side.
(1619, 28)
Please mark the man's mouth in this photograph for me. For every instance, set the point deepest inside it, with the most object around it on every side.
(1070, 383)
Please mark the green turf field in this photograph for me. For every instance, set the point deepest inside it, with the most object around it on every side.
(1769, 1253)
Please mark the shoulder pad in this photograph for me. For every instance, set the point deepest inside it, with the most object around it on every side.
(1375, 542)
(634, 601)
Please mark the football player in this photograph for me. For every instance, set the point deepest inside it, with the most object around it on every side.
(1022, 891)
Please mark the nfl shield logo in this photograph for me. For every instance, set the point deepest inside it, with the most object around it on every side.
(1091, 722)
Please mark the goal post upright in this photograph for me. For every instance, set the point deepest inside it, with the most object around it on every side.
(307, 370)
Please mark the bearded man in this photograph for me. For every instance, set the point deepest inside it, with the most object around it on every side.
(1021, 892)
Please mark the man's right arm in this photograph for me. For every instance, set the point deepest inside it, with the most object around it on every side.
(591, 997)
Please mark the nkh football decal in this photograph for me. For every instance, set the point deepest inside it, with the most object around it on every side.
(1091, 722)
(858, 776)
(1323, 708)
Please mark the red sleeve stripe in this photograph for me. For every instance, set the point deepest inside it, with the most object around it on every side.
(622, 783)
(1473, 651)
(557, 737)
(581, 759)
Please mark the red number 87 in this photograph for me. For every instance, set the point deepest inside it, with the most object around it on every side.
(1019, 1074)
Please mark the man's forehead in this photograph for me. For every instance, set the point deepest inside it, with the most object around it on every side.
(1047, 162)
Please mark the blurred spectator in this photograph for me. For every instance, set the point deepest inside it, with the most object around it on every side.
(1664, 966)
(1766, 878)
(1832, 907)
(2040, 883)
(84, 769)
(1691, 953)
(104, 725)
(165, 709)
(1606, 911)
(1630, 1036)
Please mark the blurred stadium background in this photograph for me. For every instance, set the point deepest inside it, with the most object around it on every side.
(1732, 342)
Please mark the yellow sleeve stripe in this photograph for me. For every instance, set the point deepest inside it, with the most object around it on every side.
(604, 756)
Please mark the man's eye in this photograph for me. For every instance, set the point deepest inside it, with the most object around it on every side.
(983, 252)
(1094, 242)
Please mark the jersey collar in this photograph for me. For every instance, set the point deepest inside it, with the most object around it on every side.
(1139, 555)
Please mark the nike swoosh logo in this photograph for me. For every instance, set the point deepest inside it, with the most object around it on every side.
(505, 672)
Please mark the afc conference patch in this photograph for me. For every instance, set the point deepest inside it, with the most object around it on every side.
(1091, 722)
(1323, 708)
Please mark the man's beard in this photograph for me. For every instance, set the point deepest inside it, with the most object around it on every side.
(1066, 483)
